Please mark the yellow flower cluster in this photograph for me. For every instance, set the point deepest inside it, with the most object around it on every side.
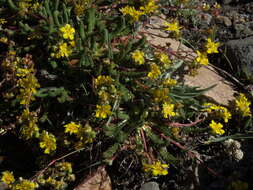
(29, 126)
(72, 128)
(173, 27)
(27, 82)
(132, 12)
(216, 128)
(47, 142)
(168, 110)
(149, 7)
(169, 82)
(64, 48)
(107, 90)
(157, 168)
(103, 80)
(103, 111)
(65, 167)
(7, 177)
(25, 184)
(243, 105)
(220, 111)
(210, 47)
(138, 57)
(155, 72)
(28, 86)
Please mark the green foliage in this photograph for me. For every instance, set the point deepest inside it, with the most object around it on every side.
(90, 82)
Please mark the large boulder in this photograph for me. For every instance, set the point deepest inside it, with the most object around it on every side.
(240, 55)
(222, 93)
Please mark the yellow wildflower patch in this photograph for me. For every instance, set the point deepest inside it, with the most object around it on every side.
(220, 111)
(25, 185)
(132, 12)
(149, 7)
(157, 168)
(102, 79)
(170, 82)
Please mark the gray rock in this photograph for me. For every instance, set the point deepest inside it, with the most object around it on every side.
(3, 186)
(225, 2)
(240, 54)
(150, 186)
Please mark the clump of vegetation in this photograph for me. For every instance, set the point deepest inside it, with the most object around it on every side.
(76, 77)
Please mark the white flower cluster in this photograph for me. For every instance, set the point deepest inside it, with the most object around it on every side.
(233, 148)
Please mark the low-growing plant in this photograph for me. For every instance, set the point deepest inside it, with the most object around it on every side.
(75, 76)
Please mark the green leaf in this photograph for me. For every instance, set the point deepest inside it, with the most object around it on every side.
(111, 151)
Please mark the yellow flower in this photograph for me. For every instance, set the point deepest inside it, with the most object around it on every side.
(4, 39)
(103, 111)
(138, 57)
(149, 7)
(164, 58)
(168, 110)
(79, 9)
(202, 58)
(71, 128)
(131, 11)
(170, 82)
(156, 169)
(67, 32)
(63, 50)
(212, 47)
(243, 105)
(25, 185)
(102, 79)
(173, 27)
(65, 166)
(7, 177)
(2, 21)
(220, 111)
(48, 142)
(155, 72)
(217, 128)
